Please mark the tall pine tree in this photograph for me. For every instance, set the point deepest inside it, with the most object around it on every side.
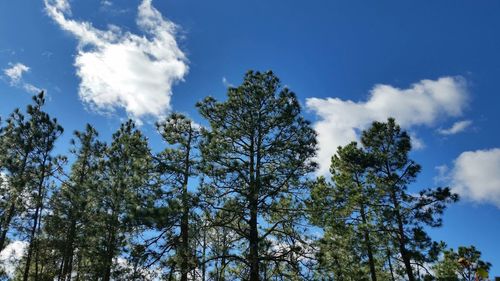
(125, 188)
(70, 226)
(46, 131)
(257, 150)
(404, 214)
(346, 210)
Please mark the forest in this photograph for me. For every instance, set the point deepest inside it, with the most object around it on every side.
(237, 198)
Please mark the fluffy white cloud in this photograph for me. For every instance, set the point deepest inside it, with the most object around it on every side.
(456, 128)
(424, 103)
(11, 255)
(120, 69)
(476, 176)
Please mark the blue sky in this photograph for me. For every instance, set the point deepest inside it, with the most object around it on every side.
(433, 65)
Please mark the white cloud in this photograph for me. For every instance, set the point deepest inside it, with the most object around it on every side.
(15, 72)
(11, 255)
(120, 69)
(31, 88)
(106, 3)
(456, 128)
(15, 75)
(443, 174)
(424, 103)
(226, 83)
(416, 142)
(476, 176)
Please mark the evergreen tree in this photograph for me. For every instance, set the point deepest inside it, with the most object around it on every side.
(27, 163)
(404, 214)
(125, 188)
(47, 131)
(346, 210)
(17, 147)
(174, 214)
(463, 265)
(70, 226)
(258, 149)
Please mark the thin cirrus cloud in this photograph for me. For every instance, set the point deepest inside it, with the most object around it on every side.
(15, 73)
(474, 175)
(122, 70)
(456, 128)
(423, 103)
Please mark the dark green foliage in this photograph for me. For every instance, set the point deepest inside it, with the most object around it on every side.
(403, 214)
(367, 213)
(174, 212)
(235, 200)
(26, 146)
(125, 188)
(347, 212)
(71, 226)
(255, 154)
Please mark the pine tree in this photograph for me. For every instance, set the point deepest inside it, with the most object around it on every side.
(174, 214)
(47, 131)
(27, 163)
(125, 188)
(463, 265)
(70, 224)
(257, 150)
(17, 149)
(404, 214)
(346, 210)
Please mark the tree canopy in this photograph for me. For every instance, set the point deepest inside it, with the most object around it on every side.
(235, 197)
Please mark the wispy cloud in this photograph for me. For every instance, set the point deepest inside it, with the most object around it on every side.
(456, 128)
(443, 174)
(15, 73)
(122, 70)
(424, 103)
(106, 3)
(226, 83)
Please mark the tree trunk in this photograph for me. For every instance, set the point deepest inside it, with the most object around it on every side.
(253, 224)
(185, 242)
(69, 252)
(108, 264)
(204, 255)
(390, 264)
(185, 253)
(110, 253)
(31, 246)
(369, 250)
(5, 225)
(37, 253)
(36, 219)
(402, 240)
(254, 244)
